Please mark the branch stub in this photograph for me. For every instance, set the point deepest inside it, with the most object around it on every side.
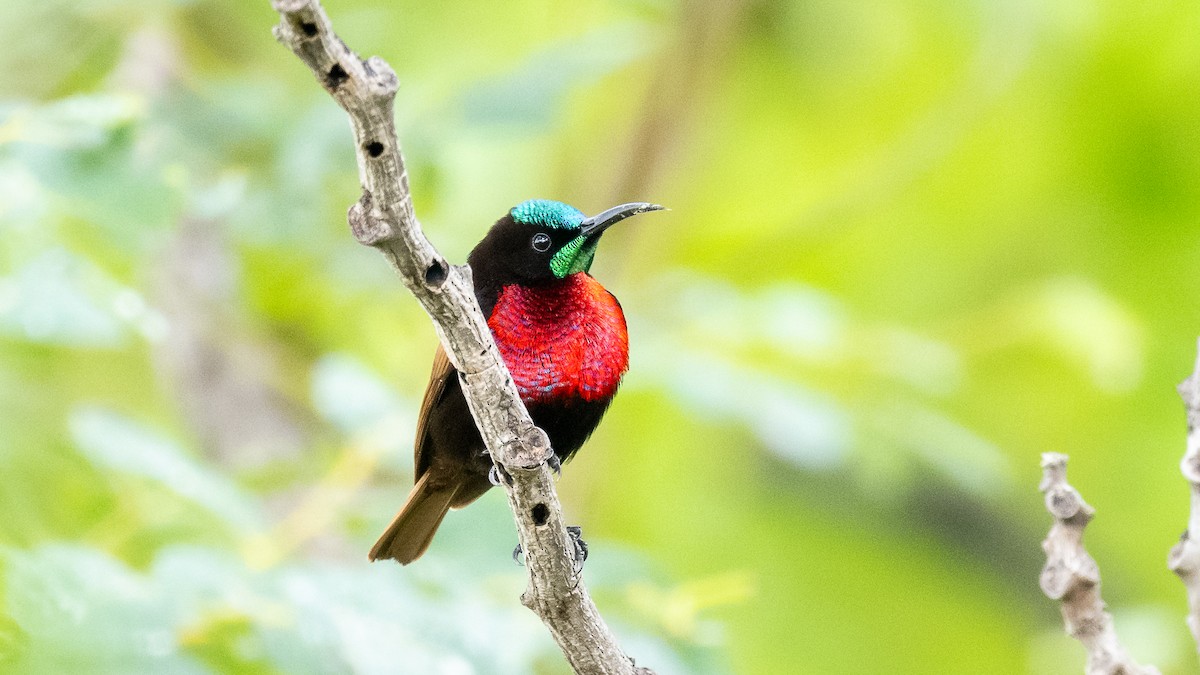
(368, 230)
(527, 451)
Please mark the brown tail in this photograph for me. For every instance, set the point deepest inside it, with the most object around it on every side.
(412, 529)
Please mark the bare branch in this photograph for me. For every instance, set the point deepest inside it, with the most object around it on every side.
(1184, 559)
(383, 218)
(1072, 577)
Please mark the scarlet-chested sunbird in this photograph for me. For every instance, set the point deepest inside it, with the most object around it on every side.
(562, 336)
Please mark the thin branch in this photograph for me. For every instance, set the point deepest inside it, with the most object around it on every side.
(1184, 559)
(383, 218)
(1072, 577)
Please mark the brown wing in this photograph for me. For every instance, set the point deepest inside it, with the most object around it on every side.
(443, 372)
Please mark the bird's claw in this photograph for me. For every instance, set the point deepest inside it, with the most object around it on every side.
(497, 474)
(555, 465)
(575, 532)
(581, 549)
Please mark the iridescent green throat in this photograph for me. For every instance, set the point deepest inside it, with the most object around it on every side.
(575, 256)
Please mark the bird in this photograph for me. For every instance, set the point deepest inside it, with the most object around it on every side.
(562, 336)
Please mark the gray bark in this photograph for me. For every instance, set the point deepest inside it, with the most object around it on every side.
(1072, 577)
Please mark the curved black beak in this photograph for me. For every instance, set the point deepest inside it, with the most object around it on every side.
(606, 219)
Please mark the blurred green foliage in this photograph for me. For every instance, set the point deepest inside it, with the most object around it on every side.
(912, 245)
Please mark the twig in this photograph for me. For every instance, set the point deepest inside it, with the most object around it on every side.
(1184, 559)
(383, 218)
(1072, 577)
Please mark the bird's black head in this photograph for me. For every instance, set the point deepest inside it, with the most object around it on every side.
(540, 241)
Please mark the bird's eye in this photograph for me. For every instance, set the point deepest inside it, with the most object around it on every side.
(540, 242)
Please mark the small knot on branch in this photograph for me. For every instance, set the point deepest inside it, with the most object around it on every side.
(381, 79)
(527, 451)
(367, 228)
(1067, 575)
(1184, 558)
(1064, 503)
(1189, 466)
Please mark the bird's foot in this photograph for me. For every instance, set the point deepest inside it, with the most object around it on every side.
(497, 473)
(575, 533)
(555, 465)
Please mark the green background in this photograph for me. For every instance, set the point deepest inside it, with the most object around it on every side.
(912, 245)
